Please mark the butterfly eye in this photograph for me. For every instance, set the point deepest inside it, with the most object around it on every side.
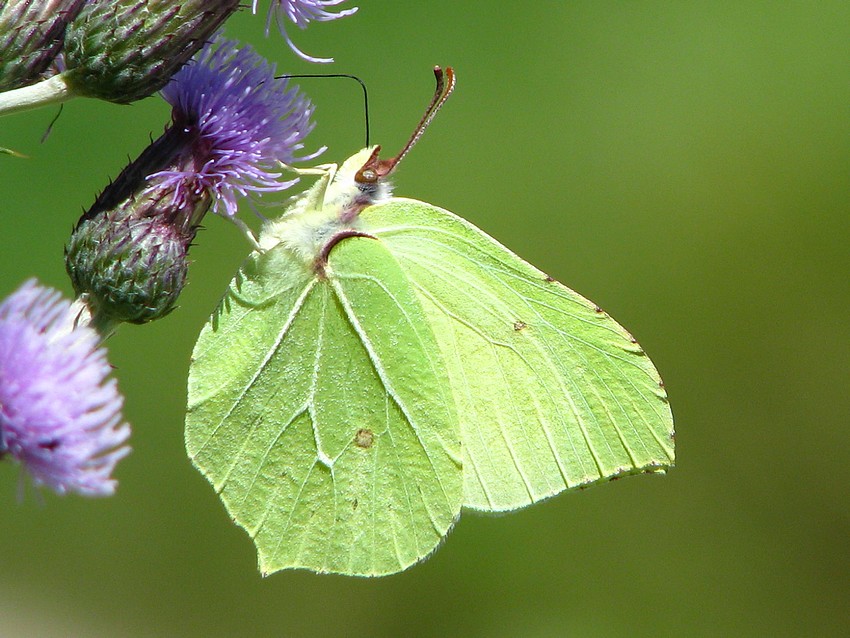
(367, 175)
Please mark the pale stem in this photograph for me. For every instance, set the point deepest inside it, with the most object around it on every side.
(82, 314)
(51, 91)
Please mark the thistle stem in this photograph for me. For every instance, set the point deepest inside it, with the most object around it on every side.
(81, 308)
(51, 91)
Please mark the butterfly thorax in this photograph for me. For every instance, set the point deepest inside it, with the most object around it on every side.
(327, 212)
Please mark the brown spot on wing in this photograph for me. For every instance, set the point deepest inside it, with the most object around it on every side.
(364, 438)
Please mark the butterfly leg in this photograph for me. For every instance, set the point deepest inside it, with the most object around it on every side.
(328, 170)
(315, 196)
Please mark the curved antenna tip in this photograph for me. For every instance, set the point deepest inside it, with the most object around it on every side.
(445, 85)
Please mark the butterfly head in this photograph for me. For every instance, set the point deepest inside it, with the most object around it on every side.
(358, 183)
(330, 212)
(369, 173)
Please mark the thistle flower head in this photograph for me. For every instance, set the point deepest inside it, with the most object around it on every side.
(243, 123)
(233, 123)
(301, 13)
(31, 36)
(125, 50)
(128, 255)
(60, 414)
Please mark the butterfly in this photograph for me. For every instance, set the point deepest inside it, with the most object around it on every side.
(378, 364)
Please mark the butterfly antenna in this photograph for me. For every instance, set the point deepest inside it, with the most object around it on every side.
(445, 86)
(338, 75)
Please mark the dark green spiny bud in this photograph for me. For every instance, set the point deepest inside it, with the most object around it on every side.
(128, 255)
(125, 50)
(129, 269)
(31, 36)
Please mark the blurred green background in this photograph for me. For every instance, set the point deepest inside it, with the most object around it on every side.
(685, 165)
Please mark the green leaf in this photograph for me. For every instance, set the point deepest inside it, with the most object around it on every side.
(320, 410)
(552, 393)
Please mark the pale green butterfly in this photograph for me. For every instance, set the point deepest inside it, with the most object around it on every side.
(379, 363)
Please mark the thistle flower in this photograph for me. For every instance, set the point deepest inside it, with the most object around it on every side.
(125, 50)
(60, 414)
(232, 124)
(300, 13)
(245, 121)
(31, 36)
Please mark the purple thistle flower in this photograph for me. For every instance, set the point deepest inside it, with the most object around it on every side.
(300, 13)
(60, 416)
(232, 125)
(243, 123)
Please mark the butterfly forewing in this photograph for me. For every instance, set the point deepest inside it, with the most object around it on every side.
(551, 392)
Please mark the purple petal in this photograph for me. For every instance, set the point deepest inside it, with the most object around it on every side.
(301, 13)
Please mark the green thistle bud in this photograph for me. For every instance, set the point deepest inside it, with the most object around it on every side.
(128, 255)
(31, 36)
(125, 50)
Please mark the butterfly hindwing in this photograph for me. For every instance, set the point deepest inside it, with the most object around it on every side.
(320, 410)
